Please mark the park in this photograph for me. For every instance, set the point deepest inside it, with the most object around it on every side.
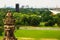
(34, 30)
(22, 23)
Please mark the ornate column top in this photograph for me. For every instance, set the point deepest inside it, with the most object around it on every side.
(9, 20)
(9, 13)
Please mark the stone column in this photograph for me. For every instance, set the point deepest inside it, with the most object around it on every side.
(9, 27)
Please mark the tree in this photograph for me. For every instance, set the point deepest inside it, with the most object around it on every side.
(34, 20)
(58, 19)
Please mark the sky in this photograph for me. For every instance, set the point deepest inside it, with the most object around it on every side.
(31, 3)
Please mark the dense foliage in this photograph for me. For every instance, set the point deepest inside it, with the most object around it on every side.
(31, 16)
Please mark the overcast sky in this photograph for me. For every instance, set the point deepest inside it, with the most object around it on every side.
(31, 3)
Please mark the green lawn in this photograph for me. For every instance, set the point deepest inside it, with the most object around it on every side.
(37, 34)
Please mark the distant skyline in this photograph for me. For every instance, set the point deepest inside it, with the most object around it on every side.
(31, 3)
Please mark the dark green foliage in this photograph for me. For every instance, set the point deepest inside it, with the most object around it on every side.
(24, 21)
(58, 19)
(31, 16)
(50, 23)
(29, 20)
(1, 30)
(35, 21)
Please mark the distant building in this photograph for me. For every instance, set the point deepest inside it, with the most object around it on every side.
(17, 7)
(55, 11)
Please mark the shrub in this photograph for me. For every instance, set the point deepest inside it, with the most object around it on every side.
(50, 23)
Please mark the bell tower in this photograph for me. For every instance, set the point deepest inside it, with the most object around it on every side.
(17, 7)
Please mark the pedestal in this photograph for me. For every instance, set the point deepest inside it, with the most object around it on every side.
(9, 32)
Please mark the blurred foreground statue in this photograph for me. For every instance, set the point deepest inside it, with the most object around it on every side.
(9, 27)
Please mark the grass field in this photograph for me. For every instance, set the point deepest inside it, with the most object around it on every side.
(37, 34)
